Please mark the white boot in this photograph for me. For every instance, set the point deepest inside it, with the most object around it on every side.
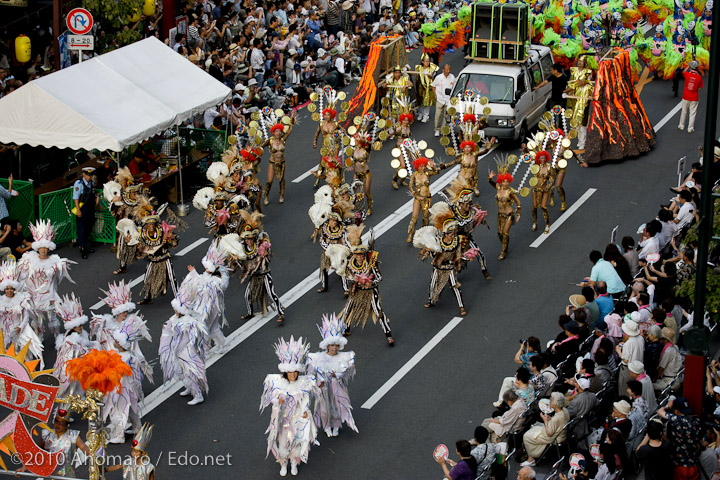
(293, 468)
(283, 468)
(186, 391)
(335, 431)
(328, 432)
(582, 137)
(197, 398)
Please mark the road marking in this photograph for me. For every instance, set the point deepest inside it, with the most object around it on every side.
(555, 225)
(139, 279)
(167, 389)
(131, 284)
(192, 246)
(405, 369)
(304, 175)
(667, 117)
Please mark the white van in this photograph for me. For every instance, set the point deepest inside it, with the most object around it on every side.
(515, 107)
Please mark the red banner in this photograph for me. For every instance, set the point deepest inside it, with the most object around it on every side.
(33, 399)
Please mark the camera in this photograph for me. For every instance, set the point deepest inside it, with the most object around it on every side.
(522, 341)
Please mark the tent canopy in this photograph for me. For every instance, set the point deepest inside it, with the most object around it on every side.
(111, 101)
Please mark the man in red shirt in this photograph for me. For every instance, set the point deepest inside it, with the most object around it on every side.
(693, 84)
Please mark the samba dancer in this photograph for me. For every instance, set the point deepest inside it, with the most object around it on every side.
(277, 141)
(402, 132)
(505, 196)
(15, 310)
(122, 196)
(329, 127)
(74, 344)
(292, 430)
(155, 243)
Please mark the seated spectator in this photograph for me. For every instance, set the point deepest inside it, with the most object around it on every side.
(528, 349)
(708, 460)
(639, 413)
(630, 254)
(685, 265)
(612, 254)
(653, 349)
(5, 194)
(507, 422)
(609, 463)
(650, 240)
(483, 451)
(591, 306)
(4, 234)
(544, 375)
(642, 300)
(603, 271)
(602, 369)
(614, 324)
(604, 301)
(465, 468)
(567, 349)
(687, 213)
(16, 241)
(673, 315)
(526, 473)
(619, 420)
(631, 350)
(685, 432)
(537, 439)
(663, 279)
(655, 452)
(668, 232)
(637, 372)
(520, 385)
(583, 401)
(671, 361)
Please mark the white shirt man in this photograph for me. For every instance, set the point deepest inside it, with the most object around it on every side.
(442, 86)
(685, 214)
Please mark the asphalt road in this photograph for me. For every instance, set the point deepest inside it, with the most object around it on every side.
(449, 391)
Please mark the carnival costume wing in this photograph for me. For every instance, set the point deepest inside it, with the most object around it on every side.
(338, 255)
(112, 190)
(427, 238)
(324, 194)
(231, 245)
(28, 336)
(319, 213)
(270, 386)
(127, 227)
(203, 197)
(216, 170)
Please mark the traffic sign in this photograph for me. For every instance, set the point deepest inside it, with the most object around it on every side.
(81, 42)
(79, 21)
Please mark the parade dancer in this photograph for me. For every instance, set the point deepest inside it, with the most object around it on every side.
(365, 133)
(293, 396)
(156, 240)
(15, 308)
(211, 286)
(123, 406)
(183, 345)
(74, 344)
(41, 274)
(426, 96)
(122, 196)
(360, 265)
(505, 197)
(140, 467)
(402, 131)
(254, 255)
(220, 217)
(442, 243)
(398, 84)
(467, 216)
(420, 191)
(61, 440)
(580, 89)
(332, 232)
(333, 370)
(468, 161)
(329, 127)
(277, 141)
(544, 180)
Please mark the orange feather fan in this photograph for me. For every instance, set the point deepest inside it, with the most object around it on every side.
(99, 369)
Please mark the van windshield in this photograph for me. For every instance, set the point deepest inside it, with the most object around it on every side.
(498, 88)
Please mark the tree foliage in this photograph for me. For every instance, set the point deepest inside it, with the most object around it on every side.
(114, 18)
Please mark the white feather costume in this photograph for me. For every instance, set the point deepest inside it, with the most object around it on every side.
(292, 429)
(123, 407)
(183, 343)
(73, 344)
(15, 318)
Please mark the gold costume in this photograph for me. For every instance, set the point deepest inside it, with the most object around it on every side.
(426, 96)
(395, 88)
(578, 105)
(505, 198)
(545, 182)
(277, 160)
(425, 202)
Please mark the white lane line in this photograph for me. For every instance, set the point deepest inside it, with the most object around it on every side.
(667, 117)
(167, 389)
(411, 363)
(304, 175)
(555, 225)
(139, 280)
(192, 246)
(131, 284)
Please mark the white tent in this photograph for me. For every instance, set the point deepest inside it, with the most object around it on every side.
(111, 101)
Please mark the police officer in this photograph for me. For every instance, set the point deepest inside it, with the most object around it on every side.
(85, 203)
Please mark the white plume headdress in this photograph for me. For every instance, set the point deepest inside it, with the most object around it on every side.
(291, 354)
(9, 275)
(43, 233)
(69, 309)
(133, 329)
(118, 297)
(332, 331)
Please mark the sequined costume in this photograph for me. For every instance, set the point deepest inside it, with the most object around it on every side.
(155, 246)
(65, 443)
(545, 181)
(426, 95)
(505, 197)
(420, 190)
(137, 472)
(277, 159)
(396, 87)
(15, 313)
(330, 235)
(260, 290)
(122, 197)
(328, 129)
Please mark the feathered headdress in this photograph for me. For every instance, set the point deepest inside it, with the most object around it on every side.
(327, 101)
(404, 108)
(324, 194)
(214, 258)
(345, 208)
(252, 224)
(231, 246)
(223, 185)
(133, 329)
(365, 134)
(332, 331)
(459, 191)
(43, 233)
(184, 301)
(144, 211)
(414, 154)
(269, 120)
(9, 275)
(503, 166)
(119, 298)
(69, 309)
(142, 438)
(443, 218)
(291, 354)
(354, 238)
(124, 177)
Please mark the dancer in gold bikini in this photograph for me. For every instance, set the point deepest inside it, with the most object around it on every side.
(419, 185)
(543, 182)
(401, 130)
(276, 141)
(505, 196)
(365, 134)
(328, 125)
